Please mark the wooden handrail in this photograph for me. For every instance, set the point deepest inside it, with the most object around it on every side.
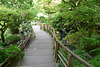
(58, 44)
(63, 57)
(62, 60)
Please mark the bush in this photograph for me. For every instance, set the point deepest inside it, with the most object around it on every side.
(95, 61)
(92, 42)
(12, 18)
(5, 52)
(3, 44)
(76, 39)
(12, 39)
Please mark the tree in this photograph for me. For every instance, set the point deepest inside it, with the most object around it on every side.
(24, 16)
(72, 3)
(7, 16)
(20, 5)
(23, 4)
(10, 18)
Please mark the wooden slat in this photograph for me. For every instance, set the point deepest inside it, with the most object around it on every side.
(63, 57)
(62, 60)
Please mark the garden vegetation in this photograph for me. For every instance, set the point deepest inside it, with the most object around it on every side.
(14, 15)
(79, 23)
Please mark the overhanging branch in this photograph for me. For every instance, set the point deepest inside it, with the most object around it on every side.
(68, 3)
(49, 2)
(73, 3)
(79, 2)
(1, 24)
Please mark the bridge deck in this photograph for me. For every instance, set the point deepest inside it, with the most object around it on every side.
(39, 53)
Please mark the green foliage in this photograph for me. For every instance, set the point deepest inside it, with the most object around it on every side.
(95, 61)
(82, 16)
(92, 42)
(22, 4)
(12, 39)
(58, 21)
(95, 52)
(5, 52)
(79, 19)
(3, 44)
(47, 10)
(76, 63)
(25, 16)
(10, 18)
(12, 14)
(7, 16)
(26, 27)
(80, 53)
(43, 19)
(82, 40)
(28, 15)
(76, 38)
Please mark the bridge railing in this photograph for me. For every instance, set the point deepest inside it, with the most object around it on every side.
(57, 44)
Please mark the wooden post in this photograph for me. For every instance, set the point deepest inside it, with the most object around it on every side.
(70, 61)
(44, 27)
(52, 32)
(47, 27)
(53, 40)
(57, 48)
(40, 26)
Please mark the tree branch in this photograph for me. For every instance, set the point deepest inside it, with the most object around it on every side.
(0, 29)
(67, 3)
(73, 3)
(1, 24)
(79, 2)
(49, 2)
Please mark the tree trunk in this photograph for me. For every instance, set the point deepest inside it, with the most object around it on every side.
(2, 37)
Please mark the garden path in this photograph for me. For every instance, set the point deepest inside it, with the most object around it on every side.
(39, 53)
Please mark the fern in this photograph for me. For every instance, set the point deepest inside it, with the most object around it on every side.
(5, 52)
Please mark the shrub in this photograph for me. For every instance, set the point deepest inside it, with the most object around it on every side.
(6, 51)
(12, 39)
(95, 61)
(3, 44)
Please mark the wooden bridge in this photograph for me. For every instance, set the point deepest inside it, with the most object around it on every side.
(40, 53)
